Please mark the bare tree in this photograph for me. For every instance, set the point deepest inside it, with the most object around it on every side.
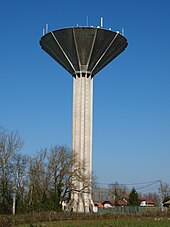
(101, 194)
(118, 192)
(37, 179)
(40, 182)
(10, 144)
(164, 191)
(81, 184)
(65, 171)
(59, 171)
(20, 178)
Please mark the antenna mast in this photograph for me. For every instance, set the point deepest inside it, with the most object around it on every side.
(87, 21)
(101, 22)
(46, 28)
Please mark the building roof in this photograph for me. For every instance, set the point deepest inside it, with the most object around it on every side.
(99, 205)
(167, 202)
(150, 202)
(112, 202)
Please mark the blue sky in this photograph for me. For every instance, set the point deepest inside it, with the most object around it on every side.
(131, 125)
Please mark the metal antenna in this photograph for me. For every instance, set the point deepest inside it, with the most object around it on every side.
(101, 22)
(87, 21)
(123, 31)
(43, 31)
(46, 28)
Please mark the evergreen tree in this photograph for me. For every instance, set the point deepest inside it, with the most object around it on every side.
(133, 198)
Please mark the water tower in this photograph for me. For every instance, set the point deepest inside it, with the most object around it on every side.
(83, 52)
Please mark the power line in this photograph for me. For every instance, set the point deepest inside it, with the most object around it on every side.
(140, 186)
(123, 184)
(147, 185)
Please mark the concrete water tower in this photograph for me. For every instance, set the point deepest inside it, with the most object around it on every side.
(83, 52)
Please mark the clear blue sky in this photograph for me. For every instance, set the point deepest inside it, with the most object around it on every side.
(131, 126)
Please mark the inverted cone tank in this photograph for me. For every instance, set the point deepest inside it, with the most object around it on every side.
(83, 51)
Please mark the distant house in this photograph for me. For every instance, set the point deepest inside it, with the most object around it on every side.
(145, 202)
(111, 203)
(99, 205)
(167, 203)
(122, 202)
(108, 203)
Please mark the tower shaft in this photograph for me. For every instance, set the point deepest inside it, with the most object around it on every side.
(82, 139)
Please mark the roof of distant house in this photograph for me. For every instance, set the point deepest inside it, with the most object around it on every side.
(98, 205)
(167, 202)
(150, 202)
(112, 202)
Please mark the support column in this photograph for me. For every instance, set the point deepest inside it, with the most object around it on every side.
(82, 136)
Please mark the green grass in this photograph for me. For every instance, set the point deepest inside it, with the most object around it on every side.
(120, 222)
(65, 219)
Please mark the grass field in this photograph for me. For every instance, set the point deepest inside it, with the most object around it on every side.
(120, 222)
(65, 219)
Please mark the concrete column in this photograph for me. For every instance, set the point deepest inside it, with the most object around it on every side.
(82, 134)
